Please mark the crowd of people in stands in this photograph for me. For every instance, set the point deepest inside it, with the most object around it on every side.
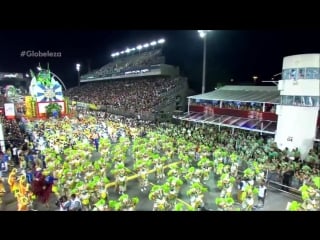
(128, 63)
(134, 96)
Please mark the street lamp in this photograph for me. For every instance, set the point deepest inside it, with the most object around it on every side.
(203, 34)
(78, 70)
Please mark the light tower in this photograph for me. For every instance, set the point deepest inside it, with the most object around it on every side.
(203, 35)
(78, 70)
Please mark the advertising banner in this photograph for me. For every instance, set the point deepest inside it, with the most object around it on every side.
(9, 110)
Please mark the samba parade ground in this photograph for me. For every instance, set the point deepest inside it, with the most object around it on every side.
(129, 137)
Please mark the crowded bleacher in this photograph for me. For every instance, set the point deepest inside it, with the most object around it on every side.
(129, 63)
(133, 96)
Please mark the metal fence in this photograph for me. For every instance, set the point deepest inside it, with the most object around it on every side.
(275, 181)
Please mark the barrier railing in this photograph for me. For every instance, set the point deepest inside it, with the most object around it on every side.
(276, 185)
(291, 191)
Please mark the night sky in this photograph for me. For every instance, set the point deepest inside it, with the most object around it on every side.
(232, 54)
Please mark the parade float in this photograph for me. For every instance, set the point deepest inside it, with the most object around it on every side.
(46, 97)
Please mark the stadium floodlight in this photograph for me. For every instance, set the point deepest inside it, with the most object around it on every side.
(139, 47)
(146, 45)
(128, 50)
(203, 34)
(27, 75)
(78, 66)
(39, 68)
(113, 55)
(78, 70)
(117, 54)
(153, 43)
(132, 49)
(122, 52)
(161, 41)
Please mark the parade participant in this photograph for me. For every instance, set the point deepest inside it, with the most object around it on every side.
(64, 203)
(143, 178)
(3, 166)
(196, 194)
(161, 204)
(12, 178)
(128, 204)
(234, 169)
(121, 181)
(159, 166)
(262, 193)
(174, 185)
(101, 205)
(38, 182)
(22, 202)
(16, 187)
(2, 188)
(75, 204)
(96, 139)
(247, 204)
(241, 187)
(47, 188)
(205, 165)
(23, 188)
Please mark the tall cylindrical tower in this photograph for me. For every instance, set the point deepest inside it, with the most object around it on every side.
(299, 105)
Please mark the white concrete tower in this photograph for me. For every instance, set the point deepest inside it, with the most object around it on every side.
(299, 105)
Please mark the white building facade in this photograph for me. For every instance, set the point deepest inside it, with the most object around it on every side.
(299, 106)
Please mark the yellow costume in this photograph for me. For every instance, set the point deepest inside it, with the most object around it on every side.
(16, 189)
(2, 189)
(23, 185)
(12, 178)
(23, 202)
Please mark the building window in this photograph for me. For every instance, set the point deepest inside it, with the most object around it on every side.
(286, 74)
(293, 73)
(312, 73)
(305, 101)
(297, 101)
(301, 73)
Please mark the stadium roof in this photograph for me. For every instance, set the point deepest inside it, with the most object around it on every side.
(261, 94)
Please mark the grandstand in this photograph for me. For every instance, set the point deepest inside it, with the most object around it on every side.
(146, 63)
(137, 85)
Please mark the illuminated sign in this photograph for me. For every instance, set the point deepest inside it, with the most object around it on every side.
(11, 75)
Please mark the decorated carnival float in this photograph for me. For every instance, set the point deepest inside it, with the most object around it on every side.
(43, 99)
(46, 98)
